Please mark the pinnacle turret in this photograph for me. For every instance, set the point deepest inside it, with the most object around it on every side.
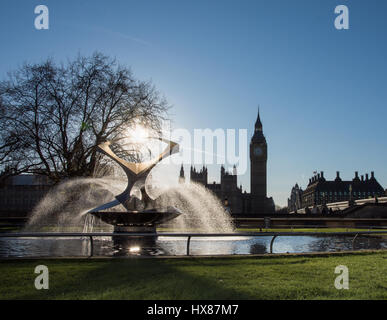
(258, 123)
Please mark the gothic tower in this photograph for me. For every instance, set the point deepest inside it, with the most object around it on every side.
(258, 162)
(182, 177)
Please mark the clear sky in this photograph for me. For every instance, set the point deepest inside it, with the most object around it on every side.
(322, 91)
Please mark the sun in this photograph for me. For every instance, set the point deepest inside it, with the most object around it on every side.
(138, 134)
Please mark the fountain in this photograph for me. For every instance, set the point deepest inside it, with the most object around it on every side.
(140, 214)
(145, 201)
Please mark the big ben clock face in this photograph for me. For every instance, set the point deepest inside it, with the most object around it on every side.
(258, 151)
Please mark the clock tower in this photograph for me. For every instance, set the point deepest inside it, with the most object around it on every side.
(258, 161)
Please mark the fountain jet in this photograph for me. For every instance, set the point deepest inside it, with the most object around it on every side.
(135, 219)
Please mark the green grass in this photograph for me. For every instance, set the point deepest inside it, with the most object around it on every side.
(279, 277)
(9, 229)
(305, 230)
(289, 229)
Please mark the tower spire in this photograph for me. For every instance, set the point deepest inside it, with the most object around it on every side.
(258, 123)
(182, 177)
(182, 171)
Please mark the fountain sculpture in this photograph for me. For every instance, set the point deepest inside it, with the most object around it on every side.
(139, 214)
(147, 201)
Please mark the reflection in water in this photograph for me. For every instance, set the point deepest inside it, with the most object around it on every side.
(137, 246)
(106, 246)
(258, 248)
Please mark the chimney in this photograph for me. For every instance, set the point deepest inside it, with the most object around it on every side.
(372, 175)
(362, 178)
(338, 174)
(318, 176)
(356, 175)
(322, 174)
(366, 176)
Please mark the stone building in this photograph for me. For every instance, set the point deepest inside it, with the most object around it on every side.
(295, 200)
(227, 190)
(321, 191)
(19, 194)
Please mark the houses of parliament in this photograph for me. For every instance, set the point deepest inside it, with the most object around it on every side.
(232, 196)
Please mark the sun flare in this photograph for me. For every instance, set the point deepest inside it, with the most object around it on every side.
(138, 134)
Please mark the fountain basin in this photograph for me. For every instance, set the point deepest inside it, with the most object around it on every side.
(136, 222)
(142, 219)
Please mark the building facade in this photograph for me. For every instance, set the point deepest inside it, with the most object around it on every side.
(19, 194)
(321, 191)
(295, 200)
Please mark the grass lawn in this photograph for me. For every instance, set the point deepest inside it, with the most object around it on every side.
(268, 277)
(289, 229)
(306, 230)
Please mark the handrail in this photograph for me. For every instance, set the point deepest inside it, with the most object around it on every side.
(188, 243)
(271, 243)
(353, 241)
(181, 234)
(274, 235)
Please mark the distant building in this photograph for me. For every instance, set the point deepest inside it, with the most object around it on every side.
(199, 176)
(181, 176)
(295, 200)
(19, 194)
(228, 191)
(257, 201)
(321, 191)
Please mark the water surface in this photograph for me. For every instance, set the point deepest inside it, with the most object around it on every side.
(239, 245)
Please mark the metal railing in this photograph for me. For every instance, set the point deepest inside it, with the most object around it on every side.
(189, 236)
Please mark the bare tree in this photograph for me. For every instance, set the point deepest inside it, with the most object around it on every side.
(53, 116)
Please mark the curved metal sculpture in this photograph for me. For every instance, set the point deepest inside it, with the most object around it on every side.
(136, 174)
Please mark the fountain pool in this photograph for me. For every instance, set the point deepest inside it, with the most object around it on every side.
(172, 246)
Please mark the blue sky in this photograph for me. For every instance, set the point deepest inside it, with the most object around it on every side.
(322, 91)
